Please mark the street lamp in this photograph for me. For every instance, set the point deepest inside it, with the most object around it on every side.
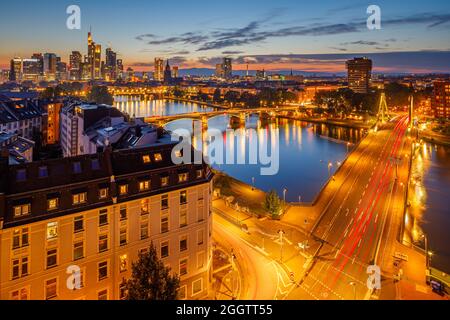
(353, 284)
(281, 233)
(330, 165)
(299, 199)
(284, 194)
(253, 183)
(348, 146)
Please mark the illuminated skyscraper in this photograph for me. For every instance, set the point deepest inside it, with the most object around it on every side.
(227, 68)
(50, 60)
(159, 69)
(75, 65)
(110, 65)
(174, 72)
(15, 72)
(167, 74)
(359, 74)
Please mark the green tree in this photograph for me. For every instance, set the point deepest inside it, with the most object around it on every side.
(273, 204)
(100, 95)
(151, 280)
(51, 92)
(217, 97)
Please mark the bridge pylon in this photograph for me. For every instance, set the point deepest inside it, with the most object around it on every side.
(382, 108)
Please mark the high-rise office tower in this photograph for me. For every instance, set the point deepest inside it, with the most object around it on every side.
(174, 72)
(75, 65)
(359, 74)
(219, 71)
(159, 69)
(227, 68)
(97, 62)
(15, 72)
(110, 64)
(40, 58)
(50, 66)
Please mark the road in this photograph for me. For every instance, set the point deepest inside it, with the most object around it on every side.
(350, 233)
(262, 278)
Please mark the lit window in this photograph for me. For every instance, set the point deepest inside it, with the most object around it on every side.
(22, 210)
(144, 207)
(52, 230)
(51, 287)
(52, 204)
(103, 193)
(123, 189)
(158, 157)
(182, 177)
(164, 181)
(20, 238)
(146, 159)
(182, 293)
(183, 197)
(79, 198)
(102, 270)
(199, 174)
(144, 185)
(123, 263)
(183, 267)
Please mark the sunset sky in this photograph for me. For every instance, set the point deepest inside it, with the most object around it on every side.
(276, 35)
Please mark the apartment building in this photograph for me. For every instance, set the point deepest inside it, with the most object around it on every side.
(95, 213)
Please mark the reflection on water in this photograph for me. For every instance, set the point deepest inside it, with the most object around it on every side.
(304, 152)
(429, 201)
(136, 107)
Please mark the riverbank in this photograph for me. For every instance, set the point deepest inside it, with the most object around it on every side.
(433, 137)
(338, 123)
(201, 103)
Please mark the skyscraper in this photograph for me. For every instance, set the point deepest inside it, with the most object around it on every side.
(227, 68)
(159, 69)
(359, 74)
(96, 68)
(219, 71)
(50, 66)
(39, 57)
(75, 65)
(110, 65)
(31, 69)
(174, 72)
(15, 72)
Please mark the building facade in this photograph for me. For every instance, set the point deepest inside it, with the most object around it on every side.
(22, 117)
(441, 99)
(359, 74)
(93, 215)
(158, 74)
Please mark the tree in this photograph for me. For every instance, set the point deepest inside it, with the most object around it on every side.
(217, 97)
(51, 92)
(272, 204)
(100, 95)
(151, 280)
(231, 96)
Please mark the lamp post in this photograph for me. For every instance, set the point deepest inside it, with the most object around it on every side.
(353, 284)
(281, 232)
(348, 146)
(253, 183)
(299, 199)
(330, 165)
(284, 194)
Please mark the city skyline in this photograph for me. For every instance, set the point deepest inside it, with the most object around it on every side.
(307, 36)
